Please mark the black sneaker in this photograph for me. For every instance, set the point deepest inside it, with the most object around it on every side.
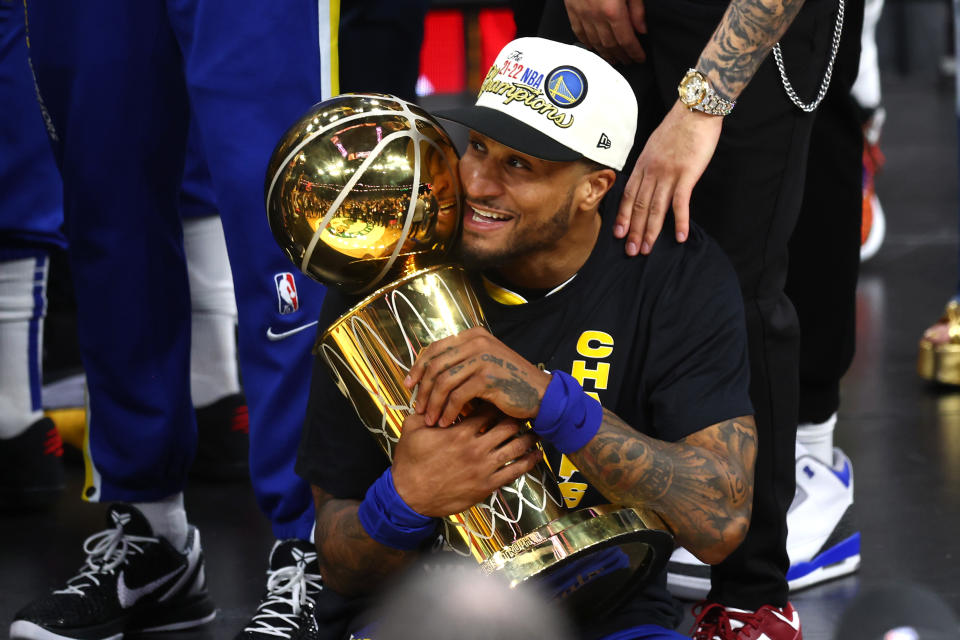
(293, 582)
(131, 581)
(31, 468)
(223, 440)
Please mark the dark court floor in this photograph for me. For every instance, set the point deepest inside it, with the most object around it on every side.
(902, 435)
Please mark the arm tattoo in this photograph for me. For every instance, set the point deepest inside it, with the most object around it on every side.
(351, 562)
(701, 486)
(743, 39)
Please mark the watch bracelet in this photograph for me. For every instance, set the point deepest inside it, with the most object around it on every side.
(715, 105)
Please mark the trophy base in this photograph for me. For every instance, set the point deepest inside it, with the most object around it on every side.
(589, 559)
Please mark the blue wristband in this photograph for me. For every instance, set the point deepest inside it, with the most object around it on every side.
(389, 520)
(568, 418)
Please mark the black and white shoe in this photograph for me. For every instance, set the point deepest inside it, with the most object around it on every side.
(131, 581)
(293, 582)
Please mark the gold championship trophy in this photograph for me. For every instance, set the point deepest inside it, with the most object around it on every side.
(363, 190)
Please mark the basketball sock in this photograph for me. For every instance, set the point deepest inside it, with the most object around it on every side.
(167, 518)
(213, 350)
(817, 437)
(22, 308)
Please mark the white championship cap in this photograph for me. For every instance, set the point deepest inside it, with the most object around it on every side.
(556, 102)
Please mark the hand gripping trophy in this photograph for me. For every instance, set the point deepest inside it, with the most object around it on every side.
(363, 193)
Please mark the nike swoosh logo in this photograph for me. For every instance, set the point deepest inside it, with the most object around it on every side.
(129, 597)
(273, 336)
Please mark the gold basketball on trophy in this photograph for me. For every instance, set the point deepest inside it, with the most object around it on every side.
(363, 189)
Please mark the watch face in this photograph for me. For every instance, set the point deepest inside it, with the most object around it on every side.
(692, 89)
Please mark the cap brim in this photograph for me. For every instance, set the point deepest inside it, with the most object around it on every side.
(510, 132)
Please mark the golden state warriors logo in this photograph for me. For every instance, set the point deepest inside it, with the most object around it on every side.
(566, 87)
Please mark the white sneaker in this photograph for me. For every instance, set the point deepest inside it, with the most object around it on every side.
(821, 542)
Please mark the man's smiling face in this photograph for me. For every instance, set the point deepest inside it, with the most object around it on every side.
(515, 205)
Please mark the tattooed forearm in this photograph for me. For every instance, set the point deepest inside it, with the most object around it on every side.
(351, 562)
(701, 486)
(743, 39)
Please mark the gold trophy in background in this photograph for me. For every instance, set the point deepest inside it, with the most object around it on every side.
(363, 193)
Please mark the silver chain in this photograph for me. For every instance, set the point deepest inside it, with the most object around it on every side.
(825, 84)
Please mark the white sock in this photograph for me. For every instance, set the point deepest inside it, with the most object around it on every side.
(817, 437)
(23, 301)
(167, 518)
(213, 348)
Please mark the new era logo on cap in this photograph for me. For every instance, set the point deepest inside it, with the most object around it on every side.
(554, 101)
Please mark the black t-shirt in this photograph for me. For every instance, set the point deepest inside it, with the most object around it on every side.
(659, 340)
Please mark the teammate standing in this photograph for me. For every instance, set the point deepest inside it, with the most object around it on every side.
(119, 83)
(731, 154)
(31, 211)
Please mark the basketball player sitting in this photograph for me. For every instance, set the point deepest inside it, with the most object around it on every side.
(632, 371)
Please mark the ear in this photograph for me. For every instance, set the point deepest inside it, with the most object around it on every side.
(593, 186)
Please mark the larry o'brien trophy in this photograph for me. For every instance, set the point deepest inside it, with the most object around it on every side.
(363, 193)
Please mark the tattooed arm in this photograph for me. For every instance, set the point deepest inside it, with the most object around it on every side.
(436, 472)
(351, 562)
(679, 150)
(743, 40)
(701, 486)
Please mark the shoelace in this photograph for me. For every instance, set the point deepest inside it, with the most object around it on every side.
(105, 551)
(287, 587)
(712, 623)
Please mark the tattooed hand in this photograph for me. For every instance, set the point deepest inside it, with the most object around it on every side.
(439, 472)
(679, 150)
(609, 27)
(473, 364)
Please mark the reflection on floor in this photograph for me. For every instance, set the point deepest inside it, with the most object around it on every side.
(903, 436)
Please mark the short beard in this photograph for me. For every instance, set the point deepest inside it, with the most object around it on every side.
(537, 238)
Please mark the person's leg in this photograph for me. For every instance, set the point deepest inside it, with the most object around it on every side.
(255, 69)
(111, 85)
(748, 200)
(867, 96)
(213, 353)
(252, 70)
(825, 246)
(31, 473)
(221, 409)
(822, 541)
(126, 249)
(30, 216)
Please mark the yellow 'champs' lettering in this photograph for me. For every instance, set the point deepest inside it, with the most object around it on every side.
(594, 345)
(602, 340)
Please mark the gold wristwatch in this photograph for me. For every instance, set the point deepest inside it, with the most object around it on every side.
(697, 95)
